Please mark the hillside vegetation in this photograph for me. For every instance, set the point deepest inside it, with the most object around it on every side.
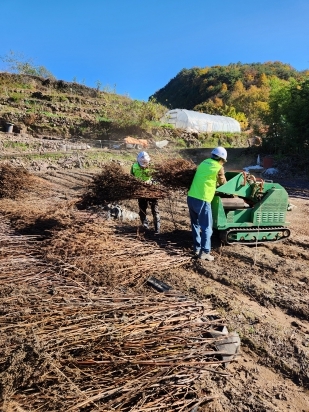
(49, 108)
(58, 108)
(268, 98)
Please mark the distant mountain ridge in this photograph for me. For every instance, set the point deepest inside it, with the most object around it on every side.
(241, 91)
(191, 87)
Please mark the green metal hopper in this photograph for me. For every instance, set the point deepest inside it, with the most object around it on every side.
(247, 209)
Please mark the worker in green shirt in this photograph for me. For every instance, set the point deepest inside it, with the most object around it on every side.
(140, 169)
(209, 175)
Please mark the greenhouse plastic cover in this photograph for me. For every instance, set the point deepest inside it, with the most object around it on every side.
(200, 122)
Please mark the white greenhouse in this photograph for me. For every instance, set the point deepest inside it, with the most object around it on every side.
(200, 122)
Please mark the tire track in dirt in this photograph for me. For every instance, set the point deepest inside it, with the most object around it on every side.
(292, 250)
(80, 176)
(280, 283)
(67, 184)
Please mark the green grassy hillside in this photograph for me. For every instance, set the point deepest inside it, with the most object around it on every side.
(58, 108)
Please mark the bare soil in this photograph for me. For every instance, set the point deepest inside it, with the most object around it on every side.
(261, 291)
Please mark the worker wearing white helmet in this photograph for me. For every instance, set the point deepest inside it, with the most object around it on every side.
(140, 169)
(209, 175)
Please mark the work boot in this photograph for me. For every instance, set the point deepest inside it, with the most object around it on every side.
(145, 224)
(157, 229)
(205, 256)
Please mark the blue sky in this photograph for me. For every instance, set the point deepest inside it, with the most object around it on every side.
(137, 46)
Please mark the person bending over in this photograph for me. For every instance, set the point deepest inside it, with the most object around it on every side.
(209, 175)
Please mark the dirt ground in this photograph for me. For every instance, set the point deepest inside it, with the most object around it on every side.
(260, 291)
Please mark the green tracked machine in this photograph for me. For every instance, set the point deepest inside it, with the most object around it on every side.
(249, 210)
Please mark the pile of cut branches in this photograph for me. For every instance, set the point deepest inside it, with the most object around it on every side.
(107, 350)
(114, 184)
(66, 346)
(175, 174)
(13, 181)
(93, 253)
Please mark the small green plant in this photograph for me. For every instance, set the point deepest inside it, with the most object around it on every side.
(167, 126)
(103, 119)
(16, 97)
(208, 144)
(63, 99)
(49, 114)
(181, 143)
(23, 86)
(15, 145)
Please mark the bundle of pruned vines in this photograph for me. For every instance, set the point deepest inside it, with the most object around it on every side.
(122, 260)
(175, 173)
(65, 346)
(114, 184)
(106, 350)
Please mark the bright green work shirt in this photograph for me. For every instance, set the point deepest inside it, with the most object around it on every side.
(140, 172)
(204, 183)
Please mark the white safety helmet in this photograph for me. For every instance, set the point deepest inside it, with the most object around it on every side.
(143, 159)
(220, 152)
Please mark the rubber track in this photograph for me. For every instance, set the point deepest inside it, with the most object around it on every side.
(224, 234)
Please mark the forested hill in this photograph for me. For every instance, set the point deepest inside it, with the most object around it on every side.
(269, 99)
(192, 87)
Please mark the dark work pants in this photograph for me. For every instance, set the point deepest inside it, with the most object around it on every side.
(143, 205)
